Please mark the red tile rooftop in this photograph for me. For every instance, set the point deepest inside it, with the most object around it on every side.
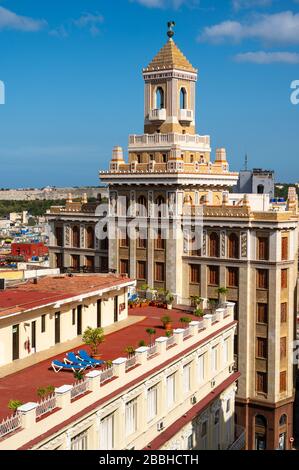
(51, 289)
(23, 385)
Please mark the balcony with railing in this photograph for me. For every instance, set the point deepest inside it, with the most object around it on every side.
(185, 115)
(157, 115)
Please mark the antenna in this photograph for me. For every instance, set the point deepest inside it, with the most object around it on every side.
(246, 162)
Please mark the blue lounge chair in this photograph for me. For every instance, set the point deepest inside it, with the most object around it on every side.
(58, 366)
(83, 355)
(71, 358)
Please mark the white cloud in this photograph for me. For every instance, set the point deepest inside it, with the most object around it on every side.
(239, 4)
(90, 21)
(12, 21)
(276, 28)
(262, 57)
(175, 4)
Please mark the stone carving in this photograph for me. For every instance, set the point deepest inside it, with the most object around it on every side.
(113, 203)
(244, 244)
(67, 235)
(82, 236)
(204, 244)
(223, 244)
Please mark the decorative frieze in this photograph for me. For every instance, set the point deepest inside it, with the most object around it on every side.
(244, 240)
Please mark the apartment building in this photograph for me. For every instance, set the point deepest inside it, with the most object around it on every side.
(42, 313)
(178, 393)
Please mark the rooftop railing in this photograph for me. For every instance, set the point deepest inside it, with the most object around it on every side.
(45, 406)
(10, 425)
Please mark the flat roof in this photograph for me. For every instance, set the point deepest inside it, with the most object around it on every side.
(52, 289)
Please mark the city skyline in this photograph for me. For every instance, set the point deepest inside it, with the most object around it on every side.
(63, 134)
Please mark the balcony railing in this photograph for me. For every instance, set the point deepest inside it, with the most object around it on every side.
(10, 424)
(79, 388)
(46, 406)
(152, 350)
(131, 362)
(106, 374)
(157, 115)
(240, 441)
(170, 342)
(186, 333)
(185, 115)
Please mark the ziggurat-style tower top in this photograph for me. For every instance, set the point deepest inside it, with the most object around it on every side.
(170, 57)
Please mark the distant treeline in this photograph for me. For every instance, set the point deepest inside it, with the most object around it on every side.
(35, 208)
(283, 192)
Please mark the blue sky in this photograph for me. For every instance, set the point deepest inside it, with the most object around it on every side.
(74, 89)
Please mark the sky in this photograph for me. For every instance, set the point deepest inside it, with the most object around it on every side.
(72, 72)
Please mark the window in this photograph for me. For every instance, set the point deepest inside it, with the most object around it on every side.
(260, 189)
(233, 277)
(170, 388)
(283, 381)
(214, 245)
(262, 279)
(262, 348)
(263, 248)
(186, 378)
(152, 403)
(204, 435)
(123, 239)
(141, 210)
(262, 313)
(284, 248)
(90, 237)
(226, 351)
(107, 433)
(214, 359)
(283, 420)
(183, 99)
(74, 316)
(261, 382)
(138, 158)
(141, 270)
(141, 239)
(43, 324)
(99, 313)
(59, 236)
(160, 205)
(79, 442)
(160, 272)
(228, 405)
(159, 242)
(213, 275)
(201, 368)
(284, 312)
(124, 266)
(194, 273)
(131, 417)
(164, 158)
(190, 442)
(233, 246)
(76, 237)
(260, 432)
(284, 278)
(75, 260)
(283, 348)
(160, 98)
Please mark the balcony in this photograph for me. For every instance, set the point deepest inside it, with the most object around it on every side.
(185, 116)
(157, 115)
(240, 439)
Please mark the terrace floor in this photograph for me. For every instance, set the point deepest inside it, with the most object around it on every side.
(23, 385)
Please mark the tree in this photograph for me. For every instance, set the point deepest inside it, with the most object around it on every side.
(93, 337)
(151, 332)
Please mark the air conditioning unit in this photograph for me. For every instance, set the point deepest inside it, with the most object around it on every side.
(213, 383)
(160, 426)
(193, 400)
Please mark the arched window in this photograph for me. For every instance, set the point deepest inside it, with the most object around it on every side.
(183, 99)
(76, 237)
(214, 245)
(233, 246)
(141, 207)
(90, 237)
(160, 202)
(160, 102)
(260, 189)
(260, 432)
(283, 420)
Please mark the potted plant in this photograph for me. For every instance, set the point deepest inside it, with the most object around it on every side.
(93, 337)
(13, 405)
(169, 333)
(151, 332)
(131, 304)
(78, 375)
(198, 312)
(212, 304)
(185, 321)
(222, 293)
(130, 351)
(196, 301)
(169, 300)
(43, 392)
(166, 320)
(141, 343)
